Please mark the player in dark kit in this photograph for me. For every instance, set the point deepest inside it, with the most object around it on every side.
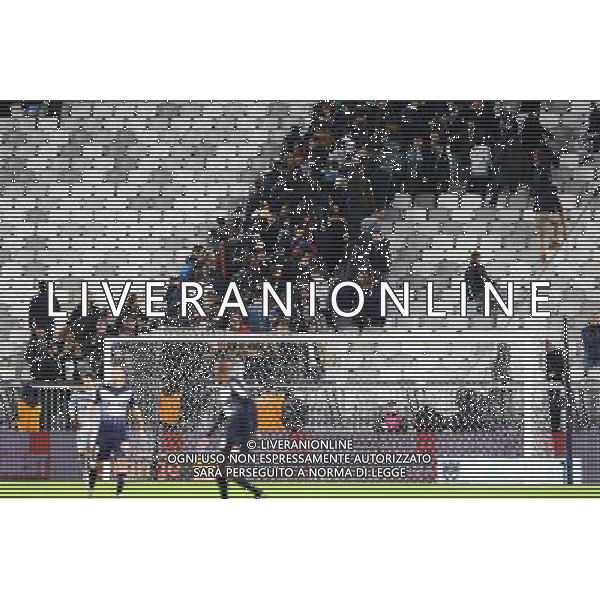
(114, 400)
(240, 425)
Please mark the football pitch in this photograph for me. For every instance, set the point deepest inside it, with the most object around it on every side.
(208, 489)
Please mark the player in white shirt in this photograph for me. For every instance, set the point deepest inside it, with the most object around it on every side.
(114, 400)
(85, 412)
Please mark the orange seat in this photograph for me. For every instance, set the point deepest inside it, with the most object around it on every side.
(28, 416)
(169, 408)
(269, 411)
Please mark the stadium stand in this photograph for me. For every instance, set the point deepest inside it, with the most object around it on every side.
(407, 190)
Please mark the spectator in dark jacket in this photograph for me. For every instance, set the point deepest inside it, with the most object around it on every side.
(475, 277)
(509, 158)
(347, 301)
(438, 167)
(530, 107)
(379, 177)
(487, 125)
(40, 356)
(39, 317)
(533, 138)
(555, 366)
(332, 239)
(590, 339)
(460, 145)
(187, 271)
(540, 182)
(481, 169)
(534, 135)
(370, 315)
(132, 319)
(172, 301)
(83, 327)
(292, 139)
(255, 200)
(555, 362)
(593, 133)
(416, 170)
(547, 204)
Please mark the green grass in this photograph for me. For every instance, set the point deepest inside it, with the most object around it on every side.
(208, 489)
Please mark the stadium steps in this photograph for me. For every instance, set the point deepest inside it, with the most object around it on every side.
(429, 244)
(163, 172)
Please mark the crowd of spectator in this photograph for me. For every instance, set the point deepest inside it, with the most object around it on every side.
(57, 354)
(316, 216)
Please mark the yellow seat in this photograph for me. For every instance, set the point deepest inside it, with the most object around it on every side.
(169, 408)
(269, 411)
(28, 416)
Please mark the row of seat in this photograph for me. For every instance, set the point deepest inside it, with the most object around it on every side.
(438, 249)
(202, 158)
